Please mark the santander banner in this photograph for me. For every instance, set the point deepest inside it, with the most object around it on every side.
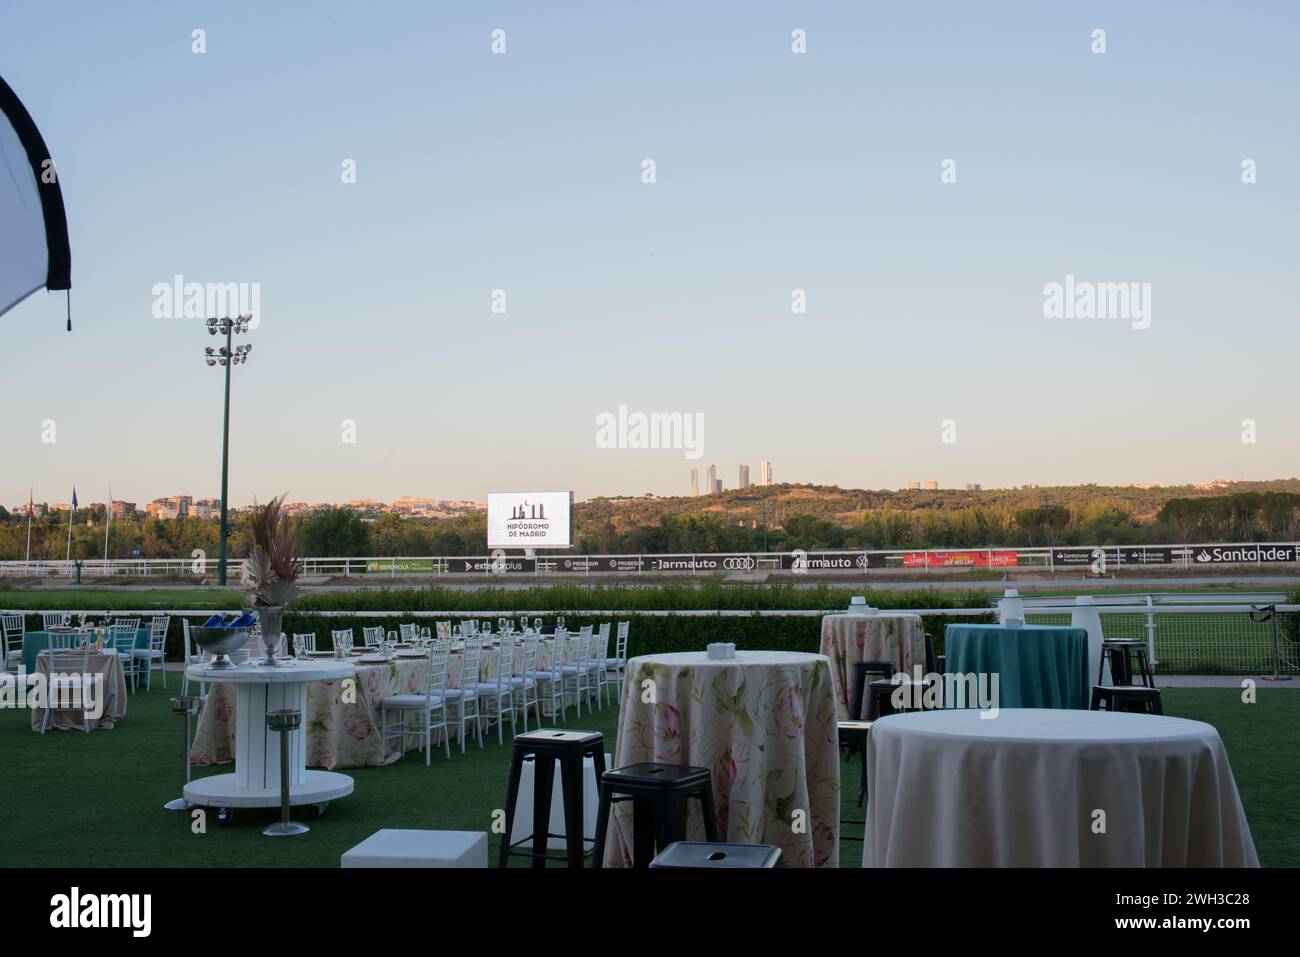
(969, 559)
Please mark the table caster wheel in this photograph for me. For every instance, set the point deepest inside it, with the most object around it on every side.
(319, 810)
(226, 816)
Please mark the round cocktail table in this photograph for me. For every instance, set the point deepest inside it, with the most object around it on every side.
(256, 778)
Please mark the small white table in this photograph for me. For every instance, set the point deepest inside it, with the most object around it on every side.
(255, 781)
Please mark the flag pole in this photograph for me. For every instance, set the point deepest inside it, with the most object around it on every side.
(68, 554)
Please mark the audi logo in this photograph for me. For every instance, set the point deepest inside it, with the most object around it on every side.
(743, 564)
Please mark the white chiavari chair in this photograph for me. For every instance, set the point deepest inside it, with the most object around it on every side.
(550, 680)
(54, 619)
(193, 656)
(618, 662)
(71, 686)
(575, 672)
(132, 623)
(373, 635)
(13, 630)
(304, 642)
(524, 682)
(155, 651)
(408, 632)
(122, 641)
(597, 671)
(464, 698)
(342, 638)
(495, 691)
(429, 708)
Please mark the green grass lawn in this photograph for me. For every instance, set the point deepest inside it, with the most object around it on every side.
(96, 800)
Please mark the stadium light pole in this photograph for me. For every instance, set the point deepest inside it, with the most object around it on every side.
(226, 356)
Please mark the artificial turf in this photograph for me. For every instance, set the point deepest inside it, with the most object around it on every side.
(96, 799)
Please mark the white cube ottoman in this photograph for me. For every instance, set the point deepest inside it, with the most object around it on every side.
(395, 847)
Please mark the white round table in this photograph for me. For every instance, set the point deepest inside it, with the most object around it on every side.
(1045, 787)
(255, 781)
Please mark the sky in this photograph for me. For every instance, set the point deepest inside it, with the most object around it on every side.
(924, 352)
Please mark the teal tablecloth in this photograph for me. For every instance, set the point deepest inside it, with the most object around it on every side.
(35, 642)
(1038, 666)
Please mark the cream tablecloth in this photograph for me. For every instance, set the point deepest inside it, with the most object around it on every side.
(763, 723)
(850, 639)
(112, 687)
(342, 722)
(1038, 787)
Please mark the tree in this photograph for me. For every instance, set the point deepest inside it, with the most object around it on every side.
(336, 532)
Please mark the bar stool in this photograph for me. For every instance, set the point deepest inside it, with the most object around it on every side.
(658, 793)
(687, 855)
(186, 705)
(1121, 653)
(284, 721)
(1134, 699)
(853, 732)
(545, 748)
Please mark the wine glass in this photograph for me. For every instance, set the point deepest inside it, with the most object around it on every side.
(537, 625)
(559, 623)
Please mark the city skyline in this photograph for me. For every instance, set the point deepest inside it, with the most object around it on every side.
(387, 304)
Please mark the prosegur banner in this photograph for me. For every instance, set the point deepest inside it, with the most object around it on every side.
(962, 559)
(530, 520)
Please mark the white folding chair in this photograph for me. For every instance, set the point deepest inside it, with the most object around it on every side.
(577, 672)
(304, 642)
(156, 651)
(495, 692)
(193, 656)
(408, 632)
(523, 680)
(618, 662)
(550, 680)
(54, 619)
(465, 697)
(429, 708)
(132, 623)
(67, 685)
(598, 671)
(373, 635)
(122, 641)
(341, 638)
(13, 630)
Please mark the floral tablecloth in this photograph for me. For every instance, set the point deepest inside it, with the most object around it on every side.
(850, 639)
(763, 723)
(342, 720)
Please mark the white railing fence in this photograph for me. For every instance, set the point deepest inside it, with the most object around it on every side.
(1096, 560)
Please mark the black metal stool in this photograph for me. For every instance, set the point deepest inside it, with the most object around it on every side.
(284, 721)
(853, 732)
(1131, 698)
(1121, 653)
(545, 747)
(658, 793)
(186, 705)
(686, 855)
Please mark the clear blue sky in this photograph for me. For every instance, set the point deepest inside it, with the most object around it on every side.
(775, 172)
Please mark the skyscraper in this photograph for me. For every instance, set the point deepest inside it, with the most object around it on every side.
(765, 472)
(711, 479)
(695, 482)
(744, 477)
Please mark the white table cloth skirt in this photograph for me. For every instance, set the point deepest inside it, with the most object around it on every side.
(1051, 788)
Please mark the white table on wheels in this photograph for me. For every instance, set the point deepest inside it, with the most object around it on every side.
(256, 778)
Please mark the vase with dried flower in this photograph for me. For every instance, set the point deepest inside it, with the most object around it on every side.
(271, 572)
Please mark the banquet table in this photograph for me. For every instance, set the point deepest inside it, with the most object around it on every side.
(34, 642)
(112, 686)
(764, 725)
(1038, 666)
(342, 721)
(847, 640)
(1040, 787)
